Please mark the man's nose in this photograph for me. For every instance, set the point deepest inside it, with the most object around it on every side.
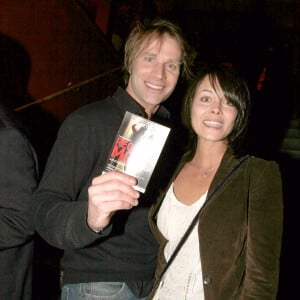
(160, 70)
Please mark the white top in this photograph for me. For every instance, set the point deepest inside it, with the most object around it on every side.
(183, 279)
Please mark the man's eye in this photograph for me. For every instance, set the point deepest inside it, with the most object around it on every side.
(149, 59)
(172, 67)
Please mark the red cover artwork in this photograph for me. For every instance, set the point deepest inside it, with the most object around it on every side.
(136, 148)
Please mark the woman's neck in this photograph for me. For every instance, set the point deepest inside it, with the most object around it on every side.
(209, 156)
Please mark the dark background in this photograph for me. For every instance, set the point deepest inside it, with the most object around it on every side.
(56, 56)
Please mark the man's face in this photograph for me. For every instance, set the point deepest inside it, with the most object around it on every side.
(154, 73)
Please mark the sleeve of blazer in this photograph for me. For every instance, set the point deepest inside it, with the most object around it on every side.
(18, 179)
(265, 221)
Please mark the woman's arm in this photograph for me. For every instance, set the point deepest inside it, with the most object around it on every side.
(265, 222)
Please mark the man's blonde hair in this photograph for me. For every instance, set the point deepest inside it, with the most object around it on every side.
(142, 34)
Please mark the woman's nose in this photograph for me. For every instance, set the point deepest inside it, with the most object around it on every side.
(216, 107)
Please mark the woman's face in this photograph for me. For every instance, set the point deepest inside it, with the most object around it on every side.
(212, 115)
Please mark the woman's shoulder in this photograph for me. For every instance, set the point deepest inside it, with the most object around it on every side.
(259, 161)
(261, 166)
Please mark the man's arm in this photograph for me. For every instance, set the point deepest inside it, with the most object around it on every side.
(58, 215)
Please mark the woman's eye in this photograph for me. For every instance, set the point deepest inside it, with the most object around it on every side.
(228, 102)
(205, 99)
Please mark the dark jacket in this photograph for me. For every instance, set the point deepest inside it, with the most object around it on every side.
(240, 231)
(18, 179)
(126, 250)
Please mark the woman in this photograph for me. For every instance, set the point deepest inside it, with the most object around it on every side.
(233, 251)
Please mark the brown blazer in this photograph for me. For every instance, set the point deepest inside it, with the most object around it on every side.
(240, 232)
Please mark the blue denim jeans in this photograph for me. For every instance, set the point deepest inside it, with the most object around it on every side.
(98, 290)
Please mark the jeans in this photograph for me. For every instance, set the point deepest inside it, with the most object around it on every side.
(98, 290)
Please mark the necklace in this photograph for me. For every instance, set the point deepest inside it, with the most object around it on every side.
(206, 172)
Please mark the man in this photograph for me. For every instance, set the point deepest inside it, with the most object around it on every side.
(18, 179)
(100, 220)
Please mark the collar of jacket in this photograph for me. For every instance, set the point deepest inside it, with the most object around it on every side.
(228, 162)
(126, 103)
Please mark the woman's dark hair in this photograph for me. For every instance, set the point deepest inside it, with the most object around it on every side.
(236, 91)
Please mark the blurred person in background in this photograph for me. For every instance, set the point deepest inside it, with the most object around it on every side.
(18, 180)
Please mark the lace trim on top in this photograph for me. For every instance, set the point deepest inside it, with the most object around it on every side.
(183, 280)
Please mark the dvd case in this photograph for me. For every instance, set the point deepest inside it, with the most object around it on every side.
(136, 148)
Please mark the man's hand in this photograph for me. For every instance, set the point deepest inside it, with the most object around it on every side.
(108, 193)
